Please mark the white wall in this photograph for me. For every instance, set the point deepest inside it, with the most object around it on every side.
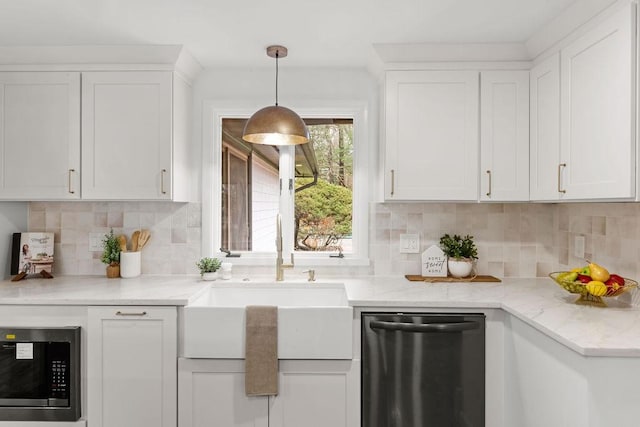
(13, 219)
(265, 202)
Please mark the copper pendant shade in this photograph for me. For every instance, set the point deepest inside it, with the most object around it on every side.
(276, 125)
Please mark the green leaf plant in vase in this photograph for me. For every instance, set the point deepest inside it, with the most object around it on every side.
(111, 254)
(209, 268)
(461, 253)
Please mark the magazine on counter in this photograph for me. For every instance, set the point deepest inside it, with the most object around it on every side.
(32, 253)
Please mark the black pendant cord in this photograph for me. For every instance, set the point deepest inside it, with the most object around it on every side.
(277, 78)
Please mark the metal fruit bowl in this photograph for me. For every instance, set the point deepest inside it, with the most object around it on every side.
(577, 287)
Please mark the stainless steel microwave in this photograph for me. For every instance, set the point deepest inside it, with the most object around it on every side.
(40, 374)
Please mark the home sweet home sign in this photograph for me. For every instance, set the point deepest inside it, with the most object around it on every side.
(434, 262)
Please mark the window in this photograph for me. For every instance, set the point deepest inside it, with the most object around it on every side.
(323, 203)
(314, 187)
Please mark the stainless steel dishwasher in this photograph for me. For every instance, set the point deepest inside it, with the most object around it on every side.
(423, 370)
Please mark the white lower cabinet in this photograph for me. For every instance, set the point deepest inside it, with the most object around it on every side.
(548, 384)
(544, 385)
(131, 367)
(316, 393)
(312, 393)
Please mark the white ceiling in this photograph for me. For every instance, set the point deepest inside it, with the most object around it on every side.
(235, 32)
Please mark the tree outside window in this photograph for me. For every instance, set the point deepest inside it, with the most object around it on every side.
(324, 211)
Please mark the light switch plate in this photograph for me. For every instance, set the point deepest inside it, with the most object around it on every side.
(95, 242)
(409, 243)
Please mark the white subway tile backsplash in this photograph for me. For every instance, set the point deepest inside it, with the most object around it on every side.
(513, 239)
(174, 246)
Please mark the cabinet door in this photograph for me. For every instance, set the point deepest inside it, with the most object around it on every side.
(597, 98)
(316, 393)
(131, 358)
(39, 135)
(504, 135)
(544, 153)
(211, 393)
(126, 135)
(541, 373)
(431, 143)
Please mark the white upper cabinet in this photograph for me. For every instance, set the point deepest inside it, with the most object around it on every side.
(431, 135)
(103, 130)
(544, 154)
(582, 116)
(504, 135)
(39, 135)
(127, 135)
(597, 148)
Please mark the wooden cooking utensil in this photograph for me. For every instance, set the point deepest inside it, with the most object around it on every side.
(134, 240)
(143, 238)
(122, 242)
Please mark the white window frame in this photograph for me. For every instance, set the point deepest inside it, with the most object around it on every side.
(213, 113)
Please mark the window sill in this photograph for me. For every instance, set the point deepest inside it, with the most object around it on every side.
(260, 260)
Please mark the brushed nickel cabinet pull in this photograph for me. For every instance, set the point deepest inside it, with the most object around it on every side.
(560, 166)
(71, 190)
(393, 181)
(489, 192)
(164, 171)
(120, 313)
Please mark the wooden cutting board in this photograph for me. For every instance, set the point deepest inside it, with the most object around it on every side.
(478, 278)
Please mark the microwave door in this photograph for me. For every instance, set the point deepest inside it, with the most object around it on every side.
(23, 374)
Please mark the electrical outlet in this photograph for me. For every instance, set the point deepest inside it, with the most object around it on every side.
(578, 247)
(95, 242)
(409, 243)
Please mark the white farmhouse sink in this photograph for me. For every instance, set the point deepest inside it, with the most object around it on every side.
(314, 320)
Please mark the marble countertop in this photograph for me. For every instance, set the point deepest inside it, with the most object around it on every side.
(590, 331)
(98, 290)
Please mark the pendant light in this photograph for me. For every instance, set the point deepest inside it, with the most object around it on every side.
(276, 125)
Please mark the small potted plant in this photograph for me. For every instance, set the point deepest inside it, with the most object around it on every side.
(209, 268)
(461, 253)
(111, 254)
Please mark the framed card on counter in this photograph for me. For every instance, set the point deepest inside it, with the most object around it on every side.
(434, 262)
(32, 253)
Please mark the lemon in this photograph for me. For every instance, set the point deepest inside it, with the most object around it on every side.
(597, 288)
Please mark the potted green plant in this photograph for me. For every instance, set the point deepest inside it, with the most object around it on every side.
(209, 268)
(111, 254)
(461, 253)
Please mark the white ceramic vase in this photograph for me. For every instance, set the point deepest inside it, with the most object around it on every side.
(461, 267)
(130, 264)
(210, 276)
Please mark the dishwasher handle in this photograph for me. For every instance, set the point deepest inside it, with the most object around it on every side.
(426, 327)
